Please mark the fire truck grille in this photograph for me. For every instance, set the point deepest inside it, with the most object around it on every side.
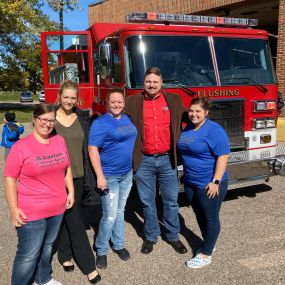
(230, 115)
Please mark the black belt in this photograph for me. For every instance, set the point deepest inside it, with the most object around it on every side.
(158, 154)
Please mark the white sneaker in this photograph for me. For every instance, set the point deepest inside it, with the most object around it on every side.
(198, 261)
(51, 282)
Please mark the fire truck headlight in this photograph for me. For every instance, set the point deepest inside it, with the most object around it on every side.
(270, 123)
(264, 123)
(259, 124)
(260, 106)
(265, 139)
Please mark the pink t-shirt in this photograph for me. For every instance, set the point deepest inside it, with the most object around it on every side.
(40, 170)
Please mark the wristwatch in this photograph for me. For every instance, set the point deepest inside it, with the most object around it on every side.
(216, 181)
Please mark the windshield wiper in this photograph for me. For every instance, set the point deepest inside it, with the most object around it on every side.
(258, 85)
(177, 83)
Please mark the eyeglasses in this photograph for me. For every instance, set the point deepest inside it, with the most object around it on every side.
(45, 121)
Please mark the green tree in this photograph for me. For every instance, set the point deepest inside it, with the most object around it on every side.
(62, 6)
(21, 22)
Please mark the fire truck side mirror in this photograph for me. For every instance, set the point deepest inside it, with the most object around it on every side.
(280, 102)
(105, 51)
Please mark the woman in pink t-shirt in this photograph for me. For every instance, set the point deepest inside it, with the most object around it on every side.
(37, 174)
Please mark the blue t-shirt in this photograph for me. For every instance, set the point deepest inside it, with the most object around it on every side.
(115, 139)
(199, 150)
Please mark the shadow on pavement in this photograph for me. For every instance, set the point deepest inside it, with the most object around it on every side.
(134, 216)
(250, 191)
(134, 213)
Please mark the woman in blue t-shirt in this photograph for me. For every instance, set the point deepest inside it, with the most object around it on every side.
(204, 148)
(111, 142)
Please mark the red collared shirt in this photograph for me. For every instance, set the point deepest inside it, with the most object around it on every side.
(156, 125)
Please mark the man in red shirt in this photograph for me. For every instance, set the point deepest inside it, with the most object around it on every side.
(157, 116)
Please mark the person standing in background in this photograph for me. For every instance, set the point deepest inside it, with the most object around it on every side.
(73, 125)
(11, 132)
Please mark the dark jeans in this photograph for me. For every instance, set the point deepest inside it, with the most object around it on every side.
(34, 251)
(207, 213)
(73, 239)
(6, 152)
(159, 169)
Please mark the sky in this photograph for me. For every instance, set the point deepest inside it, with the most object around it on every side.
(74, 21)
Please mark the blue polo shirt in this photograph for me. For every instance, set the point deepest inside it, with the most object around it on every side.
(115, 139)
(199, 150)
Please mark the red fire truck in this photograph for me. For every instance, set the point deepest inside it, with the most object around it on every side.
(225, 59)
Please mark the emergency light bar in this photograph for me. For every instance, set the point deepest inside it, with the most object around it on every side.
(140, 17)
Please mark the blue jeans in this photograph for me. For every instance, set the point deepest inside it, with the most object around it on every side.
(151, 170)
(6, 152)
(113, 205)
(207, 213)
(34, 252)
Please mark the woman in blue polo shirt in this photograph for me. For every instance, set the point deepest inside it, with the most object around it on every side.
(204, 147)
(111, 142)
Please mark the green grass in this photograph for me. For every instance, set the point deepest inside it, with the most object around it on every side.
(22, 116)
(9, 96)
(12, 96)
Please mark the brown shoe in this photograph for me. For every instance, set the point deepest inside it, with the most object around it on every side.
(178, 246)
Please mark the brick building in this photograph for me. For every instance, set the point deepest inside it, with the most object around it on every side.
(270, 14)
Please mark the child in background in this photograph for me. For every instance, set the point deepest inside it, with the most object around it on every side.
(11, 132)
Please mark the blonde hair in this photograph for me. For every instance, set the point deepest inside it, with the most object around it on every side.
(68, 84)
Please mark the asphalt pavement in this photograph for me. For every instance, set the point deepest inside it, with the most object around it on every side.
(251, 248)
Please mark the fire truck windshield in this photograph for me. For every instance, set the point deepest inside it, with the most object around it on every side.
(188, 60)
(243, 61)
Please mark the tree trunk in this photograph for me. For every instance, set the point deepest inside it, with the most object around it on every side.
(61, 23)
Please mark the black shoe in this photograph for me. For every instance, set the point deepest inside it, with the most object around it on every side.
(178, 246)
(123, 254)
(95, 280)
(68, 268)
(101, 261)
(147, 246)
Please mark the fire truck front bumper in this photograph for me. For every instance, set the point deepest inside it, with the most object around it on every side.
(255, 166)
(251, 167)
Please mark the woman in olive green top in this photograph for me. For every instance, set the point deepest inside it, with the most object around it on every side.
(73, 125)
